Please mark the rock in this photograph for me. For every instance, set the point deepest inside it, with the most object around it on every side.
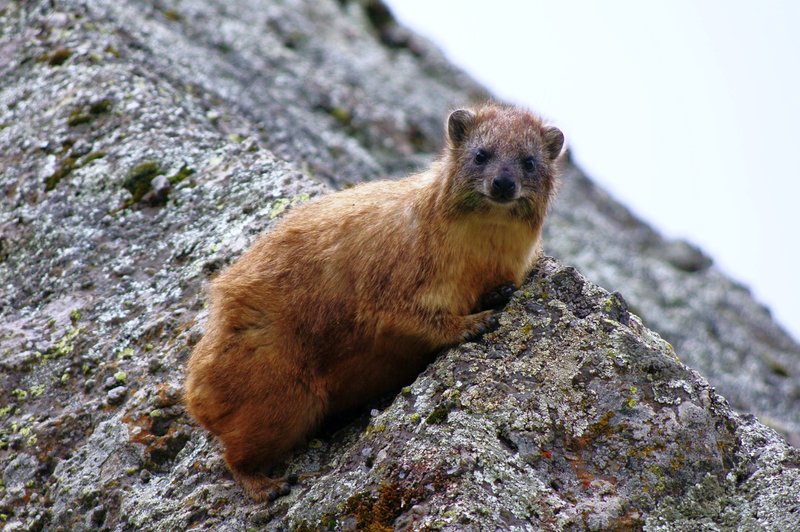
(18, 362)
(579, 423)
(685, 256)
(571, 414)
(712, 322)
(158, 194)
(116, 395)
(19, 472)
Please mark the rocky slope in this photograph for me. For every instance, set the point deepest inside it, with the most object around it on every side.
(144, 145)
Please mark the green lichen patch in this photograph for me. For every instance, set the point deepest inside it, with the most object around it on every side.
(84, 114)
(281, 204)
(172, 15)
(440, 413)
(138, 180)
(113, 51)
(64, 346)
(180, 175)
(295, 40)
(101, 106)
(58, 57)
(775, 366)
(224, 47)
(62, 170)
(375, 429)
(341, 115)
(616, 308)
(631, 401)
(19, 395)
(278, 207)
(78, 117)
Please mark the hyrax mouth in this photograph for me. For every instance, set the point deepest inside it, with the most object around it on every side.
(502, 201)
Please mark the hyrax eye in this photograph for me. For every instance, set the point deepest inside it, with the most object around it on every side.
(481, 157)
(529, 164)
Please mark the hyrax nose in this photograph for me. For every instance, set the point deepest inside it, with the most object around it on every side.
(503, 186)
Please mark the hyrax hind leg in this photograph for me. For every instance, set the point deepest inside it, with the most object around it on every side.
(264, 430)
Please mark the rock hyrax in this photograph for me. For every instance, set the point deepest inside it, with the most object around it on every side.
(351, 295)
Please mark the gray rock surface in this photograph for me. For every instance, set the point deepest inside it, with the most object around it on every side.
(713, 322)
(144, 145)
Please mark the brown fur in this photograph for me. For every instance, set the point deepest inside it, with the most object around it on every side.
(350, 296)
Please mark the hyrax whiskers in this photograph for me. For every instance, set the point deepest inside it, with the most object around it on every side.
(350, 296)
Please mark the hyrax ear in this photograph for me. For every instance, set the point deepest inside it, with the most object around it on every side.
(553, 141)
(458, 125)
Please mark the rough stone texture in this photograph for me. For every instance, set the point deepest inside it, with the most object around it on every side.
(713, 322)
(144, 145)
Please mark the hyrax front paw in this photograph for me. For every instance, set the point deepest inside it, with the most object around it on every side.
(498, 297)
(480, 324)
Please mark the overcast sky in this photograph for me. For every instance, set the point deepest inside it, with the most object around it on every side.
(688, 111)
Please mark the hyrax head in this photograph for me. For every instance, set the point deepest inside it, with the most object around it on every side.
(502, 156)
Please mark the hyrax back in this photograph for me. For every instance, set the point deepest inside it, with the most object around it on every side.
(350, 296)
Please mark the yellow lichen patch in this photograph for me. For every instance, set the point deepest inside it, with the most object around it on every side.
(19, 394)
(374, 429)
(281, 204)
(65, 346)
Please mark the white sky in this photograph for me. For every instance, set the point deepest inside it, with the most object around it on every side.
(688, 111)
